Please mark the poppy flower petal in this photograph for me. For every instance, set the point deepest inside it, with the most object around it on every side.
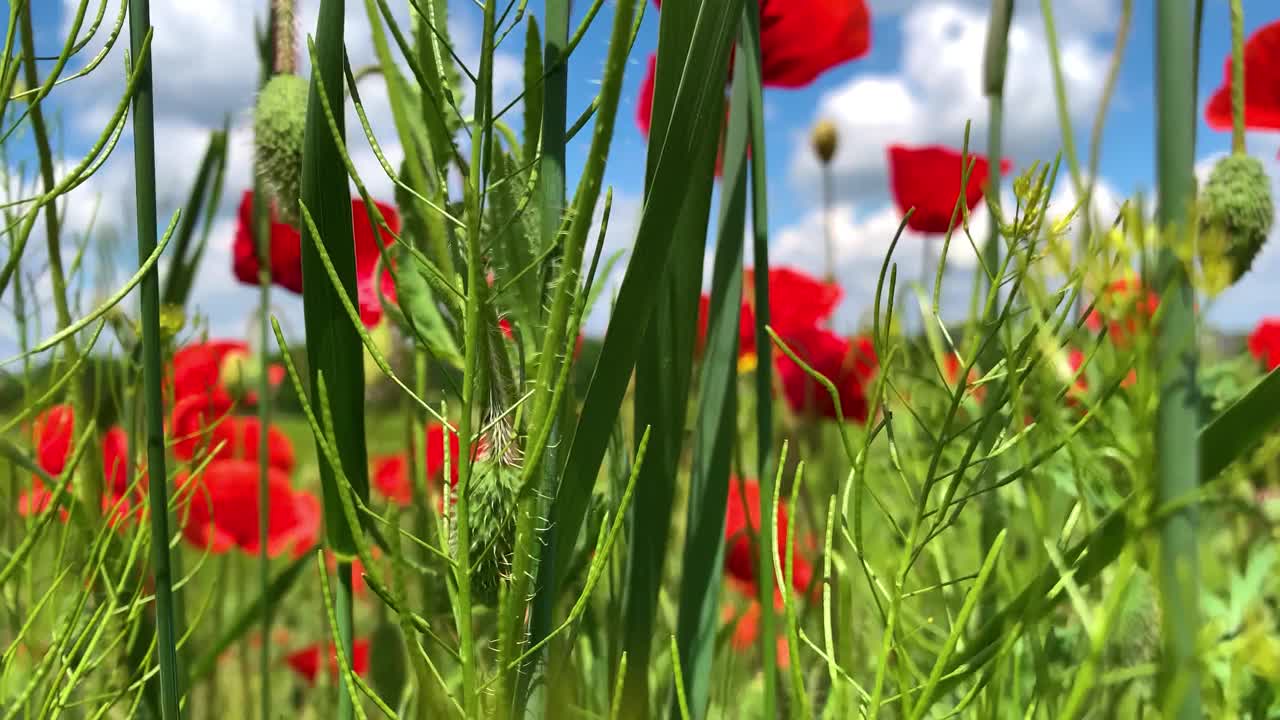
(1262, 84)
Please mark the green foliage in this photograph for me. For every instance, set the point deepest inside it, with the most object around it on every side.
(1236, 214)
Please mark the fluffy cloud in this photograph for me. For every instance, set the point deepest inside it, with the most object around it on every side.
(938, 88)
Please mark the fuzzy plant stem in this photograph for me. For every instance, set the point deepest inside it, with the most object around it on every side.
(1237, 78)
(284, 36)
(828, 241)
(89, 486)
(144, 152)
(473, 370)
(994, 63)
(995, 60)
(1176, 356)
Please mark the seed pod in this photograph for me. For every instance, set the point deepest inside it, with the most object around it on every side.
(279, 123)
(491, 509)
(825, 139)
(1236, 214)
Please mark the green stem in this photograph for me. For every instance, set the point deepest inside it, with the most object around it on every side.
(262, 230)
(473, 371)
(995, 63)
(1178, 458)
(1237, 78)
(144, 152)
(89, 485)
(1060, 94)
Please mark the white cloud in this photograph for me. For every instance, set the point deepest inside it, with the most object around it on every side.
(939, 88)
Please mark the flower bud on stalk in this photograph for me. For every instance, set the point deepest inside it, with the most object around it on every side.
(1236, 215)
(279, 123)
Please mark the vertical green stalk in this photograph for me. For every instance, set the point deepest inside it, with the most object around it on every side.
(274, 52)
(1176, 356)
(551, 192)
(473, 370)
(994, 65)
(1237, 78)
(144, 153)
(90, 479)
(334, 348)
(764, 347)
(1060, 94)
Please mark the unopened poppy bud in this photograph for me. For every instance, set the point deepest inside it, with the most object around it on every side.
(825, 139)
(239, 371)
(279, 123)
(1236, 214)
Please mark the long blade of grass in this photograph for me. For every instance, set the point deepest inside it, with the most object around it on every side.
(182, 268)
(694, 122)
(333, 345)
(715, 425)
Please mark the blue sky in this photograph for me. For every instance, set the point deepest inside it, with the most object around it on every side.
(918, 85)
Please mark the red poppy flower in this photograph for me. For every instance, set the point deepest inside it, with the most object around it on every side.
(275, 374)
(746, 631)
(197, 370)
(391, 472)
(199, 423)
(797, 303)
(928, 179)
(121, 500)
(391, 478)
(801, 39)
(1264, 343)
(743, 511)
(848, 365)
(1125, 307)
(52, 432)
(219, 509)
(306, 662)
(279, 447)
(1261, 88)
(286, 254)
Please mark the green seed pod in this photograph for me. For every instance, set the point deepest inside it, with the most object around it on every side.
(279, 123)
(1236, 214)
(492, 510)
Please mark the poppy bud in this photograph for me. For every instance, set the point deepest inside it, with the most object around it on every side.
(279, 123)
(239, 371)
(1236, 214)
(825, 139)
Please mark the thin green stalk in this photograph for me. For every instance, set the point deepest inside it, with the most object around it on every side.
(473, 370)
(1178, 459)
(1237, 78)
(995, 63)
(1060, 95)
(764, 348)
(144, 152)
(262, 230)
(551, 189)
(89, 485)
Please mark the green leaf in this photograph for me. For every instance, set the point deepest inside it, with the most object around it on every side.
(1239, 428)
(688, 118)
(715, 427)
(202, 202)
(333, 345)
(533, 90)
